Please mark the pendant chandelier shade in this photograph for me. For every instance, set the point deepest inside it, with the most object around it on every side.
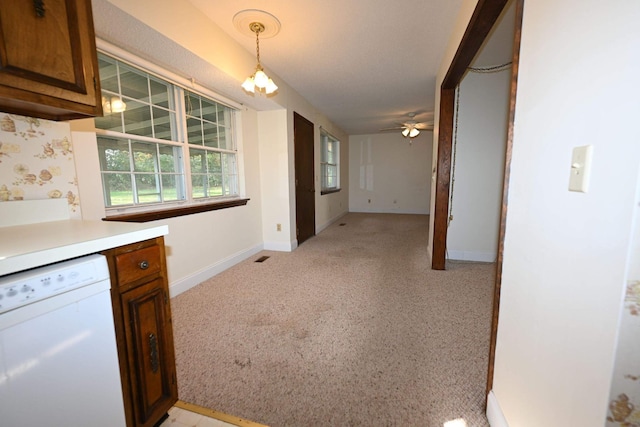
(113, 105)
(259, 78)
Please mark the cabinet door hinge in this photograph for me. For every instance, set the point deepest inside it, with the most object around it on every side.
(166, 300)
(95, 83)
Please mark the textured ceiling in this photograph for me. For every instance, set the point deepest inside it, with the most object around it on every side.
(363, 64)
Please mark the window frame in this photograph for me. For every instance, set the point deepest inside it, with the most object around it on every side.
(326, 137)
(181, 87)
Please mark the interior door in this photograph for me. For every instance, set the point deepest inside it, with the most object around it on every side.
(305, 186)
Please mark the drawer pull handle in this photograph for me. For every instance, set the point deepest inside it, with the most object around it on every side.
(144, 265)
(153, 354)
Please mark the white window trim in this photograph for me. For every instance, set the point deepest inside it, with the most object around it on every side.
(338, 186)
(189, 85)
(157, 71)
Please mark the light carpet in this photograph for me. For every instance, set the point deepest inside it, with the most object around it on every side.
(353, 328)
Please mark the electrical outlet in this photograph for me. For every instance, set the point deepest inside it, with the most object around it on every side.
(278, 227)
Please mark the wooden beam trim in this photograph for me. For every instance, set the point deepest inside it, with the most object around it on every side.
(505, 193)
(484, 17)
(443, 178)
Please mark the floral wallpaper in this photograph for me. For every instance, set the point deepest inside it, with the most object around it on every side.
(36, 161)
(624, 404)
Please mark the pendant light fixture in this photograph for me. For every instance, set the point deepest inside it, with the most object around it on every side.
(113, 105)
(259, 79)
(259, 23)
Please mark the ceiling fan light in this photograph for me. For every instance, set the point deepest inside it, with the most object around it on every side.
(249, 85)
(271, 87)
(405, 132)
(413, 133)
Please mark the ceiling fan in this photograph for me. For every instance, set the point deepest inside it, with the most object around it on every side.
(410, 128)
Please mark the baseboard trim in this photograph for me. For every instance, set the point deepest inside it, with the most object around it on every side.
(494, 412)
(281, 246)
(390, 211)
(184, 284)
(471, 256)
(326, 225)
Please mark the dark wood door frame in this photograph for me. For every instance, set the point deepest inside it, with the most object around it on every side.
(303, 130)
(483, 19)
(505, 191)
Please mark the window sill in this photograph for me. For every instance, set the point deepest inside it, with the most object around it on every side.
(176, 212)
(323, 192)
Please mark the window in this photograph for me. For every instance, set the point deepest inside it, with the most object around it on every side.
(329, 161)
(161, 144)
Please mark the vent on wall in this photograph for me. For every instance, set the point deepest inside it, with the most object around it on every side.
(262, 259)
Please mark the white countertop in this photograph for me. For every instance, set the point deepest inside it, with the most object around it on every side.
(33, 245)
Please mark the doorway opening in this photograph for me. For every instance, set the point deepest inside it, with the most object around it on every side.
(480, 25)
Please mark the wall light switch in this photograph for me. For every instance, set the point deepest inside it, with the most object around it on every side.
(580, 168)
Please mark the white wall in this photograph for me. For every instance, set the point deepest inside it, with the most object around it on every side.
(479, 164)
(274, 181)
(388, 174)
(566, 253)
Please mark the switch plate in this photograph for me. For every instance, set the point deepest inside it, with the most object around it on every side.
(580, 168)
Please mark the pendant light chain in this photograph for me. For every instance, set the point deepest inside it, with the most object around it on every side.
(258, 45)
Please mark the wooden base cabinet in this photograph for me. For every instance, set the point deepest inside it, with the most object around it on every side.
(142, 317)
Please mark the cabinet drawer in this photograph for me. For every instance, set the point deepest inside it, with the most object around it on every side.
(137, 264)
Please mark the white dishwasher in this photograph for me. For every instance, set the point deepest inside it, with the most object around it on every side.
(58, 357)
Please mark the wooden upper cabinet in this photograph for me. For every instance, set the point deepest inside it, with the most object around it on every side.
(49, 65)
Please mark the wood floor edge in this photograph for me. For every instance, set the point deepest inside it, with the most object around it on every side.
(237, 421)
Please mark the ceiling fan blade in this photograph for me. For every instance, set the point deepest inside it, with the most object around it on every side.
(424, 126)
(387, 129)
